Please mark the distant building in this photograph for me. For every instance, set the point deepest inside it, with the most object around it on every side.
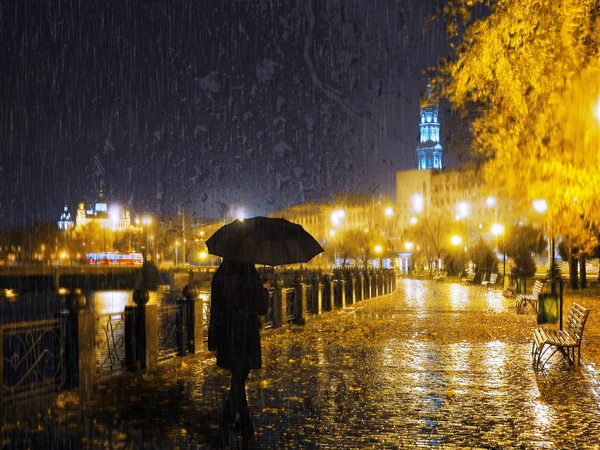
(113, 218)
(429, 149)
(65, 222)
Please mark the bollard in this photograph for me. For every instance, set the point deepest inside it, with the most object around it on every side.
(142, 329)
(342, 293)
(300, 297)
(317, 302)
(79, 343)
(351, 290)
(279, 306)
(194, 322)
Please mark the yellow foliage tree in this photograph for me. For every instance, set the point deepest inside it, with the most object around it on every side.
(531, 71)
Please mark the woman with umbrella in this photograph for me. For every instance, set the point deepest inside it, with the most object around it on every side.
(238, 298)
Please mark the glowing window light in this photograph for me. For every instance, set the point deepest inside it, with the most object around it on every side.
(418, 203)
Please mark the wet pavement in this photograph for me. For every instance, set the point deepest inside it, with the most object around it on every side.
(431, 365)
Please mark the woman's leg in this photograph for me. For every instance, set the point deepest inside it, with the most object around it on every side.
(238, 398)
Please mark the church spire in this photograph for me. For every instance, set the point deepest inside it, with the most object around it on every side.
(429, 149)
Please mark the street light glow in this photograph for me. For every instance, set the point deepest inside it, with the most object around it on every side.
(540, 205)
(408, 246)
(378, 249)
(389, 211)
(413, 221)
(146, 220)
(456, 240)
(337, 216)
(597, 110)
(497, 229)
(491, 201)
(463, 209)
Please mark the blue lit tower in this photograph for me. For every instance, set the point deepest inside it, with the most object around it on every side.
(429, 148)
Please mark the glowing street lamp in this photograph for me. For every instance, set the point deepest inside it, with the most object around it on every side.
(540, 205)
(408, 246)
(378, 250)
(456, 240)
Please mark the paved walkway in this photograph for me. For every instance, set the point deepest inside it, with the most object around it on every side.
(432, 365)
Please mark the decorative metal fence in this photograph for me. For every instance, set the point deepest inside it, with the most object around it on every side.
(110, 344)
(290, 303)
(206, 319)
(268, 320)
(170, 331)
(32, 360)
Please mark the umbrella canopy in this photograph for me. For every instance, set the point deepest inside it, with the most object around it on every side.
(264, 240)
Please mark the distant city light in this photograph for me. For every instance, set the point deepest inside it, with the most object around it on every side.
(540, 205)
(497, 229)
(456, 240)
(337, 216)
(240, 214)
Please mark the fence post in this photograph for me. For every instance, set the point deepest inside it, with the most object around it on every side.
(318, 298)
(351, 290)
(342, 292)
(195, 320)
(79, 343)
(279, 306)
(380, 283)
(300, 308)
(374, 281)
(367, 287)
(145, 326)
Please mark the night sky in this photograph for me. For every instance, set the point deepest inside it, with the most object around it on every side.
(255, 103)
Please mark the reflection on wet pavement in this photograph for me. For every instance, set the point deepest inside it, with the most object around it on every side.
(432, 365)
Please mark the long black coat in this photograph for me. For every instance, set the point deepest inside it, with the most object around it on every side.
(238, 298)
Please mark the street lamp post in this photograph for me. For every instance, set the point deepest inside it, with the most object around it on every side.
(146, 221)
(541, 206)
(497, 230)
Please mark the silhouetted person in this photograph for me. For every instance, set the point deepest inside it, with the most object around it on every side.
(238, 298)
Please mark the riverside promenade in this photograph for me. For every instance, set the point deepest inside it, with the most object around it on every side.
(433, 364)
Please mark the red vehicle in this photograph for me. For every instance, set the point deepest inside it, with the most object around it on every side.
(115, 258)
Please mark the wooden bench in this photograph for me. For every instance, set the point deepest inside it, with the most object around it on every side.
(546, 342)
(470, 278)
(442, 276)
(530, 299)
(491, 282)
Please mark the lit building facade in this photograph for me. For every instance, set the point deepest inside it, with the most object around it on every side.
(113, 218)
(66, 222)
(429, 150)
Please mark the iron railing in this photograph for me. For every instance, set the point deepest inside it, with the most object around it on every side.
(290, 303)
(32, 359)
(268, 320)
(110, 344)
(170, 331)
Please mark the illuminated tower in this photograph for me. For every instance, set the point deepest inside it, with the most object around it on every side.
(429, 148)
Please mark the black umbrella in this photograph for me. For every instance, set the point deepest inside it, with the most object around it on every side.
(264, 240)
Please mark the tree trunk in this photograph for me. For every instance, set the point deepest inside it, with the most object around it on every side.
(582, 273)
(573, 272)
